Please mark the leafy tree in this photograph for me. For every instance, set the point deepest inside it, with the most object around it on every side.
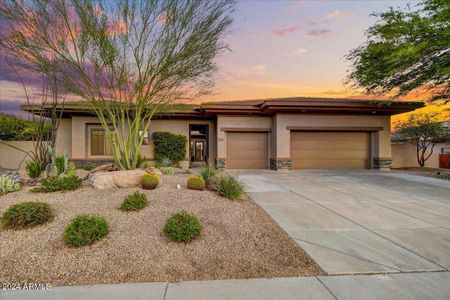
(424, 131)
(126, 59)
(405, 51)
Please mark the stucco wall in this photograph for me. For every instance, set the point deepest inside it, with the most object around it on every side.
(237, 122)
(381, 141)
(64, 137)
(80, 143)
(404, 156)
(10, 158)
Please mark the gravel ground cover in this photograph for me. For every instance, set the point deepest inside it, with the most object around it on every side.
(239, 240)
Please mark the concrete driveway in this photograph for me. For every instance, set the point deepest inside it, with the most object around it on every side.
(360, 221)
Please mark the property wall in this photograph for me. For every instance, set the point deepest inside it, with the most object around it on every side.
(237, 122)
(404, 156)
(11, 158)
(381, 141)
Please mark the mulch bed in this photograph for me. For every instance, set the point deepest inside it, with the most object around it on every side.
(239, 240)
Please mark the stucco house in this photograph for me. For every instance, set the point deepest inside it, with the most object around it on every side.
(277, 134)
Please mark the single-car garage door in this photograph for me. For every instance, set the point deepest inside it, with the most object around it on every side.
(330, 150)
(247, 150)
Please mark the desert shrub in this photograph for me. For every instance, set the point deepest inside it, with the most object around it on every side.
(88, 167)
(34, 168)
(230, 187)
(135, 201)
(27, 214)
(169, 145)
(182, 227)
(209, 172)
(85, 230)
(59, 163)
(149, 181)
(13, 128)
(167, 170)
(7, 185)
(195, 182)
(53, 184)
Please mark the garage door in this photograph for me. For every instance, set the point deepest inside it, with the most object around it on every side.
(330, 150)
(247, 150)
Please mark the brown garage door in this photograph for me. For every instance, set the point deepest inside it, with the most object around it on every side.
(330, 150)
(246, 150)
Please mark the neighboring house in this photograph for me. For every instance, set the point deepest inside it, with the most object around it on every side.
(286, 133)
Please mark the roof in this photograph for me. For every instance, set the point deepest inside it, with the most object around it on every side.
(260, 107)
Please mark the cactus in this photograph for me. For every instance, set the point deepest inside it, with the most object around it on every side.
(196, 182)
(7, 185)
(149, 181)
(59, 165)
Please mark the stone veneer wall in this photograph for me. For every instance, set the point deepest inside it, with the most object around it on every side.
(382, 163)
(280, 164)
(221, 163)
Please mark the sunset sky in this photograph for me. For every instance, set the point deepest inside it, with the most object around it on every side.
(278, 49)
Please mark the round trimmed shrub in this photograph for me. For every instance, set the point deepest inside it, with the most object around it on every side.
(182, 227)
(135, 201)
(27, 214)
(85, 230)
(196, 182)
(149, 181)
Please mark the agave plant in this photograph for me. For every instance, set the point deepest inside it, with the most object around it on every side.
(165, 162)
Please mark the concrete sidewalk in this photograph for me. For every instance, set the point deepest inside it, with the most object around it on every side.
(431, 285)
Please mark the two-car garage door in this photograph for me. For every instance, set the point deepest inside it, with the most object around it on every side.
(330, 150)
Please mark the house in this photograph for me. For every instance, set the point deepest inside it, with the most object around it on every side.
(277, 134)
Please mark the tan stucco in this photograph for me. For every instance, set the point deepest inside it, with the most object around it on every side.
(64, 137)
(11, 158)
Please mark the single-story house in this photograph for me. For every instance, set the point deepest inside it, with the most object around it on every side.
(277, 134)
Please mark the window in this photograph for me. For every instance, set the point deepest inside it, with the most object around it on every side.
(99, 143)
(146, 135)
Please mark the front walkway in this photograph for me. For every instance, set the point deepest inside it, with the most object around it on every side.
(360, 222)
(433, 285)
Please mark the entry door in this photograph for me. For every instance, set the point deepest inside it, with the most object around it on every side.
(247, 150)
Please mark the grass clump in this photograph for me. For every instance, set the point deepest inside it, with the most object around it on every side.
(182, 227)
(196, 182)
(85, 230)
(149, 181)
(134, 202)
(208, 173)
(230, 187)
(167, 170)
(34, 168)
(53, 184)
(26, 214)
(88, 167)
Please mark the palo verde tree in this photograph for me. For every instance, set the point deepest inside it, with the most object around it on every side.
(126, 59)
(406, 50)
(422, 130)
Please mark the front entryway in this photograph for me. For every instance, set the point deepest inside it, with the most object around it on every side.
(247, 150)
(198, 144)
(330, 150)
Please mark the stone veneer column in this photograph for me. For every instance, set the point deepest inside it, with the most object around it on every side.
(221, 163)
(382, 163)
(279, 164)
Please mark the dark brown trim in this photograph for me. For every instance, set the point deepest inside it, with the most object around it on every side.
(243, 129)
(302, 128)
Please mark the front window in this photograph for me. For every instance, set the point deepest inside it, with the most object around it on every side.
(146, 135)
(99, 143)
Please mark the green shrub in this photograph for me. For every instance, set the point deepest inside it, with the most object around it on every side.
(195, 182)
(59, 163)
(149, 181)
(209, 172)
(169, 145)
(88, 167)
(85, 230)
(7, 185)
(182, 227)
(34, 168)
(13, 128)
(230, 187)
(167, 170)
(135, 201)
(53, 184)
(27, 214)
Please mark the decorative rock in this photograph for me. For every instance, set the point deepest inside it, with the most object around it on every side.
(121, 179)
(105, 168)
(154, 171)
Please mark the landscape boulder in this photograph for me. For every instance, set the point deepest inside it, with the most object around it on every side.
(121, 179)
